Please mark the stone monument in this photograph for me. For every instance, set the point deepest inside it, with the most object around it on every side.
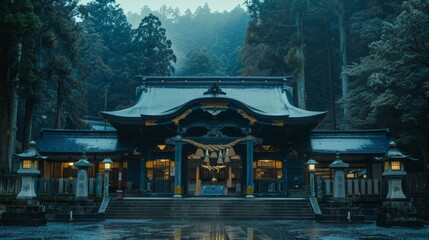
(339, 178)
(82, 178)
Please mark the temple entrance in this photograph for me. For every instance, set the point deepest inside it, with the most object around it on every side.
(214, 179)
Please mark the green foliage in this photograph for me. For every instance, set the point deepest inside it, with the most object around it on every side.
(268, 38)
(199, 62)
(109, 61)
(59, 52)
(396, 72)
(222, 34)
(152, 48)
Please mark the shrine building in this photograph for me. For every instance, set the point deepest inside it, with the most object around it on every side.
(223, 136)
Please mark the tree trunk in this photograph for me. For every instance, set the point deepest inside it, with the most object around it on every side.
(4, 131)
(426, 155)
(344, 77)
(28, 124)
(14, 112)
(59, 104)
(300, 54)
(330, 77)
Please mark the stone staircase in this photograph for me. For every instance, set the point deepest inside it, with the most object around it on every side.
(210, 208)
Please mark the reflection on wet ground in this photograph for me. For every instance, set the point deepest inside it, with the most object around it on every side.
(210, 230)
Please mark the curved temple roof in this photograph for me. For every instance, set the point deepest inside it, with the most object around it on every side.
(166, 96)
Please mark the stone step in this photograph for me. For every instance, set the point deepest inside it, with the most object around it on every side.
(210, 208)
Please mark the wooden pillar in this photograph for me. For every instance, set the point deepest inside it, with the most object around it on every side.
(143, 174)
(284, 178)
(178, 169)
(197, 180)
(249, 170)
(229, 182)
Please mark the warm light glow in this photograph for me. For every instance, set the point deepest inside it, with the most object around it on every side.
(107, 165)
(395, 165)
(36, 164)
(350, 175)
(161, 147)
(311, 167)
(213, 168)
(70, 164)
(386, 166)
(26, 164)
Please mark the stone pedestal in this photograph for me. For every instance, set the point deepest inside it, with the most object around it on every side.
(394, 180)
(82, 178)
(24, 214)
(398, 213)
(27, 187)
(341, 212)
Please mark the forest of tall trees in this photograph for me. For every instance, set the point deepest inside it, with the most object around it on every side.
(365, 61)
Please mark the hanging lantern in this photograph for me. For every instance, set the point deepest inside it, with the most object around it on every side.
(199, 153)
(219, 161)
(230, 152)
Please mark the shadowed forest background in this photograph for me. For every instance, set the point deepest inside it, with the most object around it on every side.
(364, 61)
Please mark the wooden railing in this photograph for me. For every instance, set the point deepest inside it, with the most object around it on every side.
(64, 186)
(357, 187)
(12, 185)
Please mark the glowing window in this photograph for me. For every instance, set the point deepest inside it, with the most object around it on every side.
(386, 166)
(26, 164)
(396, 165)
(36, 164)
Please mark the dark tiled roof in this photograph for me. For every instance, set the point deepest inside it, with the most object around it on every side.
(350, 142)
(264, 96)
(79, 141)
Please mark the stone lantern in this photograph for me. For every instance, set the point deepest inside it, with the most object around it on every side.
(396, 210)
(29, 169)
(82, 177)
(107, 168)
(394, 172)
(311, 165)
(339, 178)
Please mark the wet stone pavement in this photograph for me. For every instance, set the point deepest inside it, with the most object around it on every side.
(210, 230)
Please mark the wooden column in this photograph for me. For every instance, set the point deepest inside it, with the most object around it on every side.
(178, 169)
(284, 172)
(197, 180)
(229, 182)
(143, 184)
(249, 170)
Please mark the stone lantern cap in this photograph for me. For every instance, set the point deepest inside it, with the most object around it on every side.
(311, 161)
(338, 163)
(83, 162)
(31, 153)
(394, 154)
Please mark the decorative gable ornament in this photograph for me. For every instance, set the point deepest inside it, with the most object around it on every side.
(214, 90)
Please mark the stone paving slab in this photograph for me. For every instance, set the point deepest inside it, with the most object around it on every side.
(235, 233)
(211, 230)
